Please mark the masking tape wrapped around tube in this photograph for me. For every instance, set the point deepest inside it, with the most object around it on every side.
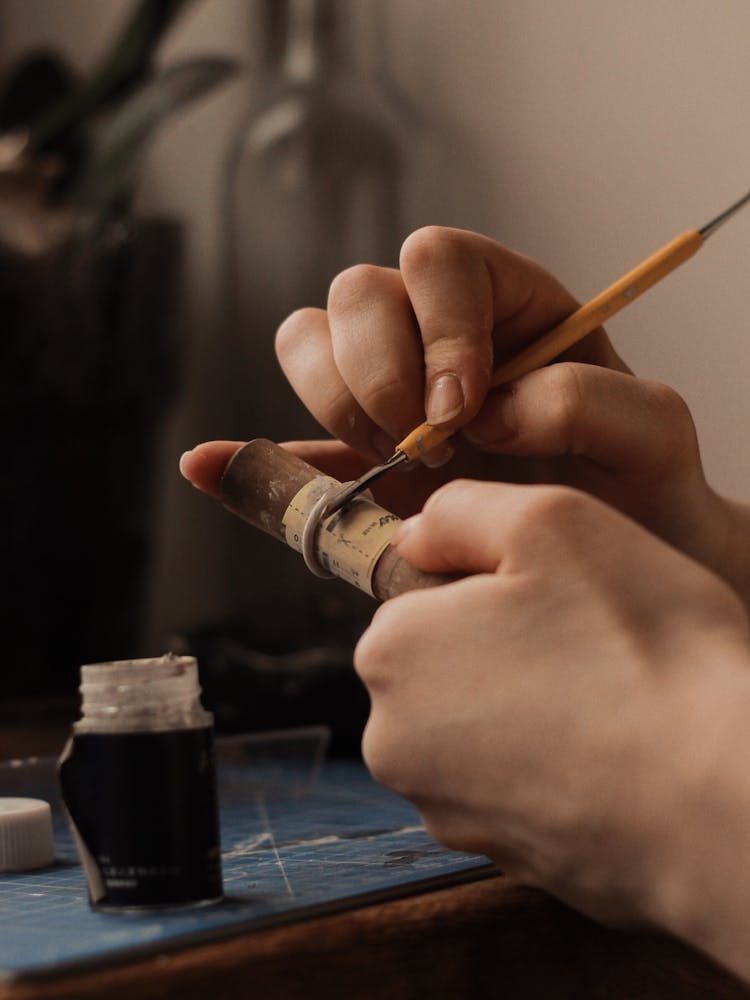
(274, 490)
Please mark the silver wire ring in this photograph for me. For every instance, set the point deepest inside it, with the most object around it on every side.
(310, 533)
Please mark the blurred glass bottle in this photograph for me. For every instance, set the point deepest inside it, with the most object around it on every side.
(313, 183)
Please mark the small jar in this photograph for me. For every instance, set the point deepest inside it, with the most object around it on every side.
(138, 780)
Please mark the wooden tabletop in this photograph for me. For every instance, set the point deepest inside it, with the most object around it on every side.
(483, 939)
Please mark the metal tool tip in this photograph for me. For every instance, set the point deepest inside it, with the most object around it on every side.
(351, 490)
(723, 217)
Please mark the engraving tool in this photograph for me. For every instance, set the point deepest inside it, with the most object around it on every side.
(572, 329)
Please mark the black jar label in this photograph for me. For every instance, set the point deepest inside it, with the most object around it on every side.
(145, 815)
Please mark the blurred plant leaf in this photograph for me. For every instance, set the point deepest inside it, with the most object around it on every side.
(121, 137)
(29, 225)
(125, 67)
(33, 85)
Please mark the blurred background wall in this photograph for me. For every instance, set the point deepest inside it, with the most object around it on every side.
(584, 133)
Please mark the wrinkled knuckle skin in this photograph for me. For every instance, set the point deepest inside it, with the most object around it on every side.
(353, 287)
(380, 393)
(566, 397)
(566, 380)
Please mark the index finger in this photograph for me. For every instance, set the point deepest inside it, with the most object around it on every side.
(476, 303)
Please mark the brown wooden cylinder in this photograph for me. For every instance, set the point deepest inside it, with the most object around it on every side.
(259, 483)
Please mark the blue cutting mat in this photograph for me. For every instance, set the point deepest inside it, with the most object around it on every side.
(342, 843)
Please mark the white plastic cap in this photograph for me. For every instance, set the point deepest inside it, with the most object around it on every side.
(25, 835)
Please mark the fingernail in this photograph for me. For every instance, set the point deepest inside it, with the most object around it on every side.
(497, 421)
(183, 456)
(438, 456)
(445, 399)
(403, 529)
(409, 466)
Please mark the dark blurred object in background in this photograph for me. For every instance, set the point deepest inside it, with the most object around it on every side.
(89, 360)
(313, 184)
(268, 672)
(88, 369)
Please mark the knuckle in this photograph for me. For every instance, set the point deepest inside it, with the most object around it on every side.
(666, 397)
(294, 329)
(372, 654)
(380, 393)
(341, 417)
(439, 503)
(351, 288)
(730, 610)
(367, 658)
(673, 441)
(376, 753)
(389, 755)
(673, 418)
(422, 247)
(558, 503)
(566, 395)
(552, 509)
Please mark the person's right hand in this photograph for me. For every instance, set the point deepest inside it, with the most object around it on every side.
(394, 345)
(576, 707)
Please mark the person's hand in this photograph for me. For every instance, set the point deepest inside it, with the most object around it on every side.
(396, 344)
(578, 709)
(395, 347)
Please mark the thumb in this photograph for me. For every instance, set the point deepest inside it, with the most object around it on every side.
(465, 527)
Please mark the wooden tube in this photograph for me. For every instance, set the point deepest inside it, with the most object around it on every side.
(259, 484)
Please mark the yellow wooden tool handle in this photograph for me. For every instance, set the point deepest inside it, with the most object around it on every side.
(577, 326)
